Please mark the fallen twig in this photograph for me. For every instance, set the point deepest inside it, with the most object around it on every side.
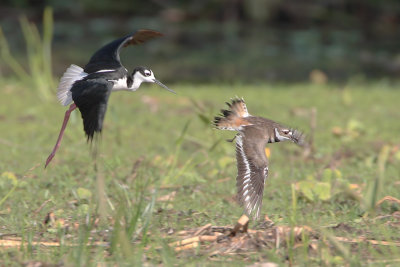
(196, 239)
(135, 168)
(202, 229)
(371, 241)
(186, 247)
(19, 243)
(167, 197)
(388, 198)
(41, 206)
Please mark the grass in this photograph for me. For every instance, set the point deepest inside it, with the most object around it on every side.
(155, 143)
(38, 55)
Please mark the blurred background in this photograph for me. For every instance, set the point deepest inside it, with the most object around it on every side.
(330, 68)
(218, 41)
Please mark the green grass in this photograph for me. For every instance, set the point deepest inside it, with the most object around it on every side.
(176, 149)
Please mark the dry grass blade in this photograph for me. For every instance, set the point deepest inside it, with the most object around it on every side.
(19, 243)
(41, 206)
(167, 197)
(202, 229)
(134, 170)
(196, 239)
(388, 198)
(371, 241)
(186, 247)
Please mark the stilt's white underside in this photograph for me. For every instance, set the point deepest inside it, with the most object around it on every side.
(120, 84)
(71, 75)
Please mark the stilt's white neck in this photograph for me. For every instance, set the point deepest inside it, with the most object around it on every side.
(122, 84)
(138, 79)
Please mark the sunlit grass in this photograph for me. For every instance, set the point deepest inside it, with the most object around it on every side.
(36, 71)
(155, 143)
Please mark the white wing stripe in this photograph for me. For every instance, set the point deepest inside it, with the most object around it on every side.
(99, 71)
(247, 175)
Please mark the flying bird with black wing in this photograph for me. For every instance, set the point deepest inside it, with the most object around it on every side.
(89, 88)
(252, 163)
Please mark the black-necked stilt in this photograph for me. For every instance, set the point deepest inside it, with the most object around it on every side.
(252, 163)
(89, 89)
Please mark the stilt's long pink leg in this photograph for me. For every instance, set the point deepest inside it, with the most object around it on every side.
(64, 125)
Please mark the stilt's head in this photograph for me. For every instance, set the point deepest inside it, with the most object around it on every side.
(144, 74)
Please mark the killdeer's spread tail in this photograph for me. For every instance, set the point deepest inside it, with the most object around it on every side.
(232, 118)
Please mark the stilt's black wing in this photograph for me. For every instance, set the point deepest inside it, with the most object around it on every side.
(252, 165)
(91, 97)
(107, 57)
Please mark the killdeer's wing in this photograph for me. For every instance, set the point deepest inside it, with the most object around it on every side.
(252, 165)
(107, 57)
(91, 97)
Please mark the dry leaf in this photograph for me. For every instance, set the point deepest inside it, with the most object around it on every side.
(167, 197)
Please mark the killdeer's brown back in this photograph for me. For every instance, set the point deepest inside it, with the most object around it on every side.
(252, 163)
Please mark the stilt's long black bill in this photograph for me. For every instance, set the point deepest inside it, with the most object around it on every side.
(163, 86)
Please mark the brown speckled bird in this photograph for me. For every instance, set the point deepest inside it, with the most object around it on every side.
(252, 163)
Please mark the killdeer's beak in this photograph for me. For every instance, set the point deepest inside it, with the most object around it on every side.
(297, 137)
(163, 86)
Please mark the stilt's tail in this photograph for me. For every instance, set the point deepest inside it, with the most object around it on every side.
(233, 118)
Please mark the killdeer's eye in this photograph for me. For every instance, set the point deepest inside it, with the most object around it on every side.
(285, 131)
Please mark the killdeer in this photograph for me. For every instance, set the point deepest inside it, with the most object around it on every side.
(252, 163)
(89, 88)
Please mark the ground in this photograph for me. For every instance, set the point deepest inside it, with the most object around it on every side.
(162, 172)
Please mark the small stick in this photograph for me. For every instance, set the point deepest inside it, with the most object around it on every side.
(277, 238)
(204, 238)
(186, 247)
(135, 168)
(388, 198)
(183, 232)
(41, 206)
(18, 243)
(195, 239)
(220, 229)
(373, 242)
(202, 229)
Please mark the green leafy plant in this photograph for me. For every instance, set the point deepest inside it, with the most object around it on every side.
(375, 187)
(330, 184)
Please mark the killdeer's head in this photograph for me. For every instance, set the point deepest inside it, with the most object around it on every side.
(283, 134)
(144, 74)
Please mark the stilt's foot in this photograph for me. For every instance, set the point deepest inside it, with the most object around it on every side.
(241, 225)
(51, 156)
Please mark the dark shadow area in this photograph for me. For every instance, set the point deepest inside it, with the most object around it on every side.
(224, 41)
